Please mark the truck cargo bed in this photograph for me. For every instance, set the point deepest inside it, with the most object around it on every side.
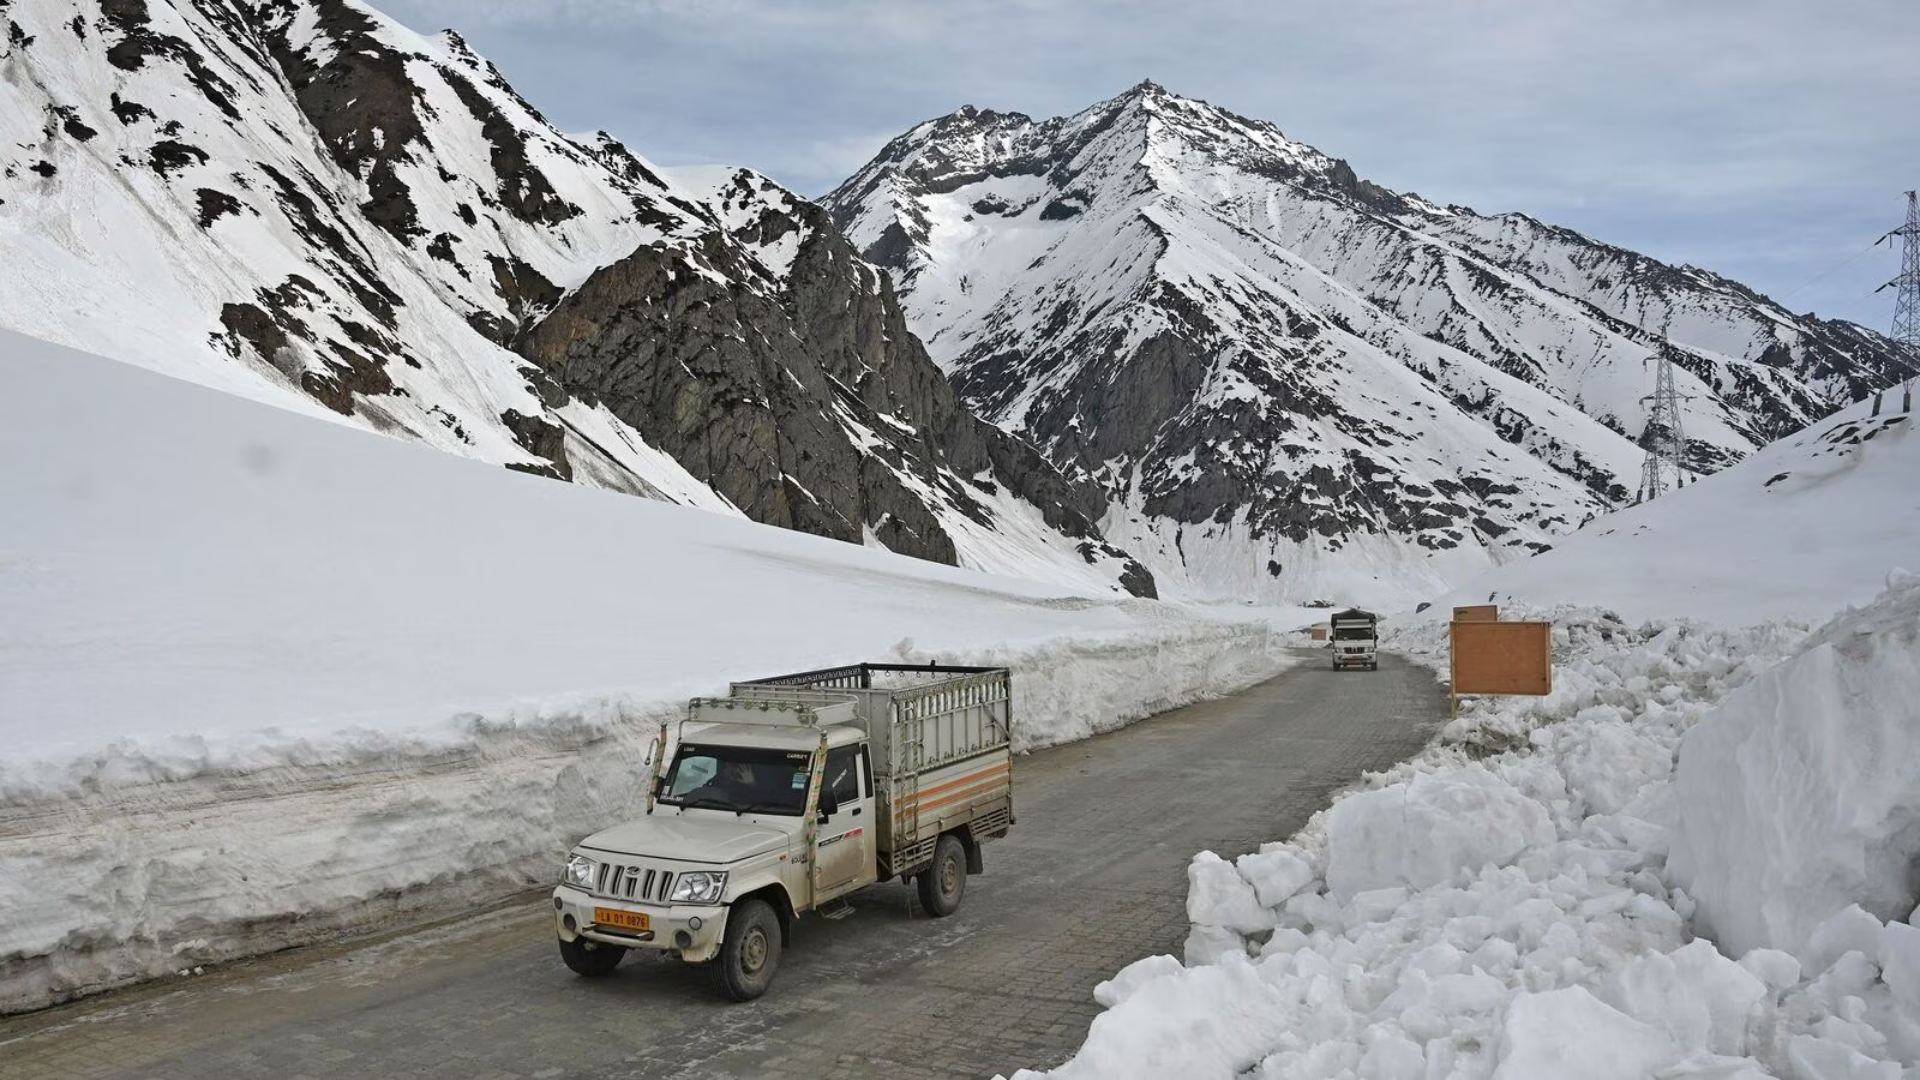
(941, 741)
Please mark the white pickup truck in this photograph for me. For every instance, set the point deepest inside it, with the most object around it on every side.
(781, 799)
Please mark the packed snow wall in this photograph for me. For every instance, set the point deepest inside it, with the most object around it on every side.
(1801, 796)
(266, 678)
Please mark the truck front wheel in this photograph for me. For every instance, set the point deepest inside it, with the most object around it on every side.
(944, 882)
(590, 959)
(744, 969)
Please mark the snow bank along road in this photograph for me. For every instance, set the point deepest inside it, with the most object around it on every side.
(1093, 877)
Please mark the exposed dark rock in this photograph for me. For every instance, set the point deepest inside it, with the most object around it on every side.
(742, 388)
(362, 103)
(70, 122)
(527, 292)
(214, 205)
(169, 156)
(523, 189)
(139, 42)
(252, 324)
(347, 373)
(352, 269)
(541, 438)
(129, 111)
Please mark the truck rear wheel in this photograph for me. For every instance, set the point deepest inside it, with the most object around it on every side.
(943, 883)
(744, 969)
(590, 959)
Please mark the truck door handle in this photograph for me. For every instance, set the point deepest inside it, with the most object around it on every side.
(856, 812)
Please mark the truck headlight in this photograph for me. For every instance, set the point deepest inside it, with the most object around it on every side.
(579, 873)
(699, 887)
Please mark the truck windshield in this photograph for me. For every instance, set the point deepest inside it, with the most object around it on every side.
(744, 779)
(1353, 633)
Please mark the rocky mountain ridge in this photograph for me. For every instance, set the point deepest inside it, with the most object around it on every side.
(301, 201)
(1292, 382)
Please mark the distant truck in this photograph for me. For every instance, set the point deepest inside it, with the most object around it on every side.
(1355, 639)
(782, 798)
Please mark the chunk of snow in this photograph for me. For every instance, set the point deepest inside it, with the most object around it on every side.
(1203, 1023)
(1572, 1035)
(1815, 1058)
(1425, 832)
(1274, 875)
(1849, 930)
(1135, 975)
(1701, 999)
(1801, 795)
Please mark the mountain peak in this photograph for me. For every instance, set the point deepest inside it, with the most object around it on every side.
(1290, 381)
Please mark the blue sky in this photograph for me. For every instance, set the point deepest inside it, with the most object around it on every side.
(1769, 140)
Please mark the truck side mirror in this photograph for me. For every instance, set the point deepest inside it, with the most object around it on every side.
(829, 805)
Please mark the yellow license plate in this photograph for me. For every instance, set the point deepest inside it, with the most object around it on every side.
(625, 920)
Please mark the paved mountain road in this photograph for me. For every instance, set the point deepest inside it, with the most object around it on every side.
(1092, 878)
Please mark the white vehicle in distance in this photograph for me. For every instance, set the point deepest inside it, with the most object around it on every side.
(782, 798)
(1354, 639)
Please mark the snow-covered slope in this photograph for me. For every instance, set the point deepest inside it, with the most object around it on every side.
(303, 202)
(263, 677)
(1805, 525)
(1293, 382)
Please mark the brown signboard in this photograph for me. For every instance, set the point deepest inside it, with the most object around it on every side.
(1502, 657)
(1319, 633)
(1477, 613)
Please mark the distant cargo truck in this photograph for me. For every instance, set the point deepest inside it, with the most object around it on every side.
(782, 798)
(1356, 640)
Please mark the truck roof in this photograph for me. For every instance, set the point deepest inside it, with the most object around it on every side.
(775, 736)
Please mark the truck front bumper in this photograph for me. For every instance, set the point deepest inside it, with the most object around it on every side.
(694, 931)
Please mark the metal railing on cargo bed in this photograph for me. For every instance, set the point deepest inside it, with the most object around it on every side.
(941, 713)
(918, 717)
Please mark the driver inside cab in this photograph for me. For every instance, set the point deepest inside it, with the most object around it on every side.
(737, 780)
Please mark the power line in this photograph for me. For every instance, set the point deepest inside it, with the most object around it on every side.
(1824, 274)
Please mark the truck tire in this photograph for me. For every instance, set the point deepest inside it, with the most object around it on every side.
(590, 959)
(751, 952)
(944, 882)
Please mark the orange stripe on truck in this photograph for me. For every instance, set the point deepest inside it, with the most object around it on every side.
(957, 796)
(976, 777)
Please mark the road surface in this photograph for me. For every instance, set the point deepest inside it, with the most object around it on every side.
(1092, 878)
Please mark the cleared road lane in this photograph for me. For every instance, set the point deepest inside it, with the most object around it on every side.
(1092, 878)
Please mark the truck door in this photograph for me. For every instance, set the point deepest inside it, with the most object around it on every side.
(844, 860)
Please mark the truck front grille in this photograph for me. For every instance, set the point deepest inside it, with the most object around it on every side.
(626, 882)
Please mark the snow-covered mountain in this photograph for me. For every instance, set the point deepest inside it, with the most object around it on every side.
(1293, 382)
(303, 202)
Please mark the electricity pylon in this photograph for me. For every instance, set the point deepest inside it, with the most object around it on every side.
(1906, 298)
(1664, 438)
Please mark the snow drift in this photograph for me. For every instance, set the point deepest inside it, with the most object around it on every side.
(264, 677)
(1801, 796)
(1543, 932)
